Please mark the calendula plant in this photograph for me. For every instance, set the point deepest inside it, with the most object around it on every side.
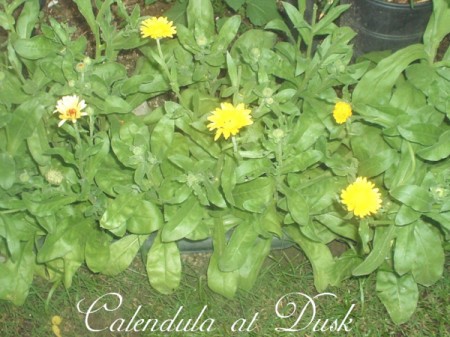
(262, 134)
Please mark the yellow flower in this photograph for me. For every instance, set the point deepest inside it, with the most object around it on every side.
(228, 119)
(69, 108)
(56, 320)
(342, 111)
(361, 197)
(157, 28)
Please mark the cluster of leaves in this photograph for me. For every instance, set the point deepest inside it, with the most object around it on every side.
(128, 172)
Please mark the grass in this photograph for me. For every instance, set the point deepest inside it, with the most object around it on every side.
(285, 272)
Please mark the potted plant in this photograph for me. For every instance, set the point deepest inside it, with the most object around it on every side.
(387, 24)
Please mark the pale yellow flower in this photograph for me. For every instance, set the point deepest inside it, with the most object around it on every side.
(342, 111)
(361, 197)
(56, 320)
(69, 108)
(228, 119)
(157, 28)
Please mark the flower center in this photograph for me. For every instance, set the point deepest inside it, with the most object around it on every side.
(72, 112)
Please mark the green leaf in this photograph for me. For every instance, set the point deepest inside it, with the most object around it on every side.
(69, 236)
(406, 215)
(404, 251)
(380, 80)
(377, 163)
(122, 252)
(23, 123)
(413, 196)
(7, 171)
(255, 195)
(399, 294)
(297, 206)
(97, 252)
(300, 161)
(130, 212)
(200, 17)
(425, 134)
(186, 219)
(35, 48)
(162, 137)
(238, 248)
(16, 277)
(235, 4)
(437, 151)
(28, 18)
(115, 104)
(319, 255)
(164, 266)
(322, 26)
(223, 283)
(428, 265)
(344, 266)
(248, 272)
(262, 11)
(299, 22)
(381, 247)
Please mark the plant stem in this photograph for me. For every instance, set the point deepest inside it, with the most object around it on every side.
(173, 84)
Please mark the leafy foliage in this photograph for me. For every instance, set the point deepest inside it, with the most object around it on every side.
(93, 192)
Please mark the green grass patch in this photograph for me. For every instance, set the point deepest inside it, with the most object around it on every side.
(285, 272)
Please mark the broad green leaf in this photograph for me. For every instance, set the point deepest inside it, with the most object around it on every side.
(38, 144)
(226, 34)
(118, 212)
(428, 265)
(404, 250)
(235, 4)
(319, 255)
(223, 283)
(249, 271)
(69, 236)
(146, 219)
(200, 17)
(162, 137)
(377, 164)
(300, 161)
(7, 171)
(413, 196)
(297, 206)
(425, 134)
(437, 151)
(344, 266)
(27, 20)
(255, 195)
(338, 226)
(85, 8)
(260, 11)
(36, 47)
(399, 294)
(381, 247)
(23, 123)
(16, 278)
(115, 104)
(238, 248)
(122, 252)
(186, 219)
(164, 266)
(378, 82)
(406, 215)
(97, 252)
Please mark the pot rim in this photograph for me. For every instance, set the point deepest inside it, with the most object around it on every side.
(384, 3)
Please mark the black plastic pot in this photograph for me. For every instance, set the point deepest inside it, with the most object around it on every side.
(383, 25)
